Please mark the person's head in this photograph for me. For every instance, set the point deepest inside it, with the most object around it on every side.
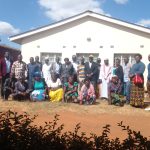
(138, 58)
(149, 57)
(54, 76)
(98, 60)
(7, 55)
(37, 76)
(19, 57)
(106, 62)
(57, 59)
(31, 60)
(82, 60)
(91, 57)
(66, 60)
(114, 78)
(74, 58)
(87, 82)
(117, 62)
(37, 59)
(71, 79)
(46, 60)
(126, 60)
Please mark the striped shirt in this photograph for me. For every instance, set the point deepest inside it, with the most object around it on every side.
(81, 72)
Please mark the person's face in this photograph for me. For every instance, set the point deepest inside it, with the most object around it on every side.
(114, 79)
(46, 61)
(106, 62)
(7, 55)
(87, 83)
(126, 60)
(90, 59)
(37, 58)
(74, 58)
(149, 57)
(37, 78)
(117, 62)
(19, 57)
(70, 80)
(53, 77)
(98, 60)
(82, 60)
(137, 59)
(57, 59)
(66, 61)
(31, 60)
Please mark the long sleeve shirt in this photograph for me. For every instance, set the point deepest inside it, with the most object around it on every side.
(138, 68)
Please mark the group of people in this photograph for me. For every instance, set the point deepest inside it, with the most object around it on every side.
(74, 81)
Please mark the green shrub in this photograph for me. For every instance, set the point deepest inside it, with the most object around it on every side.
(17, 132)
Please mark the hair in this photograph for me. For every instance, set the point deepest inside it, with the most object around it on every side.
(118, 59)
(138, 55)
(66, 59)
(86, 79)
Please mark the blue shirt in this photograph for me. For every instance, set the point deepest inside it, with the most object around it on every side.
(148, 71)
(138, 68)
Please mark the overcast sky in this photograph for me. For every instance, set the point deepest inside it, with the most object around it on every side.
(17, 16)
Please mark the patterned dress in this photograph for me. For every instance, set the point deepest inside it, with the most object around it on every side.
(137, 90)
(70, 88)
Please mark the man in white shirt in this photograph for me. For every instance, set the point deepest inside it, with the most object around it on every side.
(105, 75)
(46, 70)
(126, 70)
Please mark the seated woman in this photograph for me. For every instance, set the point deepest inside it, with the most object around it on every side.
(55, 88)
(9, 86)
(21, 90)
(39, 88)
(114, 90)
(70, 90)
(87, 93)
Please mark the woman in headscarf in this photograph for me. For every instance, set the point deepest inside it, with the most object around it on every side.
(39, 88)
(137, 82)
(70, 90)
(87, 94)
(114, 90)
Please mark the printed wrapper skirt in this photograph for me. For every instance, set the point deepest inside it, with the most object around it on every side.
(137, 95)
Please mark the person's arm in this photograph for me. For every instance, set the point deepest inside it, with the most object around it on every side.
(13, 69)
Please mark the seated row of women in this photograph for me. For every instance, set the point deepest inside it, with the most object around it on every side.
(54, 91)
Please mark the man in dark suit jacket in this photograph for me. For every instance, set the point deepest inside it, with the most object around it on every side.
(91, 70)
(5, 68)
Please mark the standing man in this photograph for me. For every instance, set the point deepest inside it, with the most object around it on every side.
(126, 71)
(75, 66)
(148, 78)
(91, 71)
(67, 70)
(81, 72)
(38, 63)
(19, 68)
(105, 75)
(56, 67)
(31, 69)
(5, 68)
(46, 70)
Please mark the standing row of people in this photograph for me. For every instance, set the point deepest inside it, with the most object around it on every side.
(103, 81)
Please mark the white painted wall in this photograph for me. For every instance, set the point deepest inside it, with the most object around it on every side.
(102, 33)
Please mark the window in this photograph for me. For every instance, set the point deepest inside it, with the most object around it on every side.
(51, 56)
(86, 56)
(122, 56)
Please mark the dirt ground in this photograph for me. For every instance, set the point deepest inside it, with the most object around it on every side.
(92, 118)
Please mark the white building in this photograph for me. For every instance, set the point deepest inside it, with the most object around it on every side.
(84, 34)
